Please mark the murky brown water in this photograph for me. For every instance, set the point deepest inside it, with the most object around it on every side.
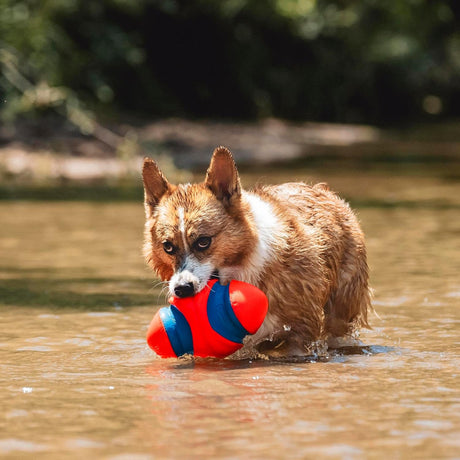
(77, 379)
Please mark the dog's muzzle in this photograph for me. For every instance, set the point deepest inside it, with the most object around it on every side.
(184, 290)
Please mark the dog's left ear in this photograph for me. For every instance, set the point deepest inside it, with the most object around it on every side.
(222, 177)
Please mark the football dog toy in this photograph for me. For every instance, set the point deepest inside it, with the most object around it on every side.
(213, 323)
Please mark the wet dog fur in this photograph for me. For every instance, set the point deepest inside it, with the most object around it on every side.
(302, 245)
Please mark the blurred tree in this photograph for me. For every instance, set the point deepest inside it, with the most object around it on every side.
(332, 60)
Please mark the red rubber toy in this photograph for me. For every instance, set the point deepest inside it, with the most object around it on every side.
(213, 323)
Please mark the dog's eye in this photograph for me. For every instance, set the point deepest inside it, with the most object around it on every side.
(202, 243)
(169, 247)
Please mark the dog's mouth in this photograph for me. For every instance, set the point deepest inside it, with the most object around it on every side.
(215, 275)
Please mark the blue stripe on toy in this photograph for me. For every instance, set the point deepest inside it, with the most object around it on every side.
(221, 316)
(178, 330)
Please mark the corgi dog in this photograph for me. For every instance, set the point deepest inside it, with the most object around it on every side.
(301, 245)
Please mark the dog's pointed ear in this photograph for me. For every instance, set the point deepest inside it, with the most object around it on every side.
(155, 185)
(222, 177)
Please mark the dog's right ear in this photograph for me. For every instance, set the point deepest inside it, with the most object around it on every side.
(155, 185)
(222, 177)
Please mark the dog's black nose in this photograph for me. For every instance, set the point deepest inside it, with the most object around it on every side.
(184, 290)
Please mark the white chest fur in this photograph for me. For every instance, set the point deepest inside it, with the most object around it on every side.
(270, 237)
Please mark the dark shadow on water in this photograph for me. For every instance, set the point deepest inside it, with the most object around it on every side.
(404, 204)
(384, 158)
(134, 194)
(368, 350)
(94, 193)
(69, 293)
(214, 364)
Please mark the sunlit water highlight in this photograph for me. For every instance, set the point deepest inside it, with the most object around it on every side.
(77, 379)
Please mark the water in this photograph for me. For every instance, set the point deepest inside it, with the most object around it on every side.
(77, 379)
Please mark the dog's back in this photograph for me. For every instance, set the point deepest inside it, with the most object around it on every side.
(317, 281)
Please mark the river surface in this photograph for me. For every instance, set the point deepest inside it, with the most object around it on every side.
(77, 379)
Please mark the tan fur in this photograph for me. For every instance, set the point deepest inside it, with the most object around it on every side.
(315, 272)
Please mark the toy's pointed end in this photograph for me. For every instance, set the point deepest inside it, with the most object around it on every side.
(157, 338)
(250, 305)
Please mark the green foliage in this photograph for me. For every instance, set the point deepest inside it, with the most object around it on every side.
(333, 60)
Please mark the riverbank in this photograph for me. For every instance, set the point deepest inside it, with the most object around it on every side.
(44, 154)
